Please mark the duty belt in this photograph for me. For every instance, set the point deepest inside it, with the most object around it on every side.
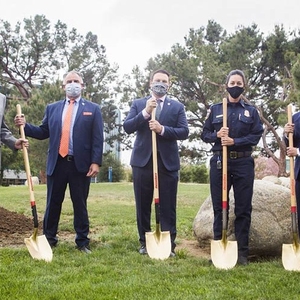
(235, 154)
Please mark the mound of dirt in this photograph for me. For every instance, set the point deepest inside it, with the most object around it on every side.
(14, 228)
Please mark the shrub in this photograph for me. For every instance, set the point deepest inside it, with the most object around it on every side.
(117, 168)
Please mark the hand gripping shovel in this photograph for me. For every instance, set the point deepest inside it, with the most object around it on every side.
(291, 252)
(158, 243)
(224, 253)
(37, 246)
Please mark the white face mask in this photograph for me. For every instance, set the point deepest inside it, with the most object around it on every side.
(73, 89)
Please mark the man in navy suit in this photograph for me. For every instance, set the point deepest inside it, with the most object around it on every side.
(83, 159)
(171, 126)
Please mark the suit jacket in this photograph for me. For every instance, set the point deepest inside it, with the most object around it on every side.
(296, 141)
(87, 134)
(172, 117)
(5, 134)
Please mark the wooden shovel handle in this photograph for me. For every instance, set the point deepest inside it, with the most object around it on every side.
(154, 160)
(28, 172)
(292, 170)
(224, 158)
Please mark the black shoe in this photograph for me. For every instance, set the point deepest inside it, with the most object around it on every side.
(242, 260)
(84, 249)
(143, 250)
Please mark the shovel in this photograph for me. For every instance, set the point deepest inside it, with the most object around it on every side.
(224, 253)
(158, 243)
(291, 252)
(37, 246)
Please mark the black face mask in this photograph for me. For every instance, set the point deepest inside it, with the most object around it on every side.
(235, 91)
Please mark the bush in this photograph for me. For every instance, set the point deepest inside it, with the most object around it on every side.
(118, 172)
(200, 174)
(194, 173)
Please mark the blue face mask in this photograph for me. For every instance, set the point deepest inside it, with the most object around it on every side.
(159, 88)
(73, 89)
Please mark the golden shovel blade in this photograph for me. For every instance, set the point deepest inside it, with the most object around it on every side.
(291, 257)
(158, 244)
(224, 255)
(39, 248)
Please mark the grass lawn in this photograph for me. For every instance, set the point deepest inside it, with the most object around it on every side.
(115, 270)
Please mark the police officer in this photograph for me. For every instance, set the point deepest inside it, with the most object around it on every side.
(243, 132)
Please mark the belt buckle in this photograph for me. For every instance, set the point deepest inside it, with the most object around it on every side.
(233, 155)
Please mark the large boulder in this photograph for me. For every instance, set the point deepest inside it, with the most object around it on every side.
(271, 219)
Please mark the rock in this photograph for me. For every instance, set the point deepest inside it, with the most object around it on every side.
(34, 179)
(271, 219)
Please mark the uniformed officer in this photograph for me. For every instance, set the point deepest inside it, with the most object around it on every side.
(243, 132)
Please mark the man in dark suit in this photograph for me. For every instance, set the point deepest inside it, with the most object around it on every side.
(171, 126)
(6, 137)
(81, 161)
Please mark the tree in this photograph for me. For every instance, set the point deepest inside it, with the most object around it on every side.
(199, 68)
(118, 172)
(32, 59)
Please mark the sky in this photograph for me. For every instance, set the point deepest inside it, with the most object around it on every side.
(133, 31)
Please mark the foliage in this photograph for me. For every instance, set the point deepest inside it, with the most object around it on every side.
(117, 170)
(33, 56)
(194, 173)
(199, 68)
(35, 53)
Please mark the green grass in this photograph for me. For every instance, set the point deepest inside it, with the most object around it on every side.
(115, 270)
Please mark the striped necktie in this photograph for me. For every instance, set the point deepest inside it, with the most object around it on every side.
(158, 109)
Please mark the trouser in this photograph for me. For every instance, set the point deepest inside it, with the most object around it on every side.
(66, 173)
(240, 175)
(297, 190)
(143, 190)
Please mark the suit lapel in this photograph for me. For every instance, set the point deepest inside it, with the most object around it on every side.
(165, 109)
(81, 104)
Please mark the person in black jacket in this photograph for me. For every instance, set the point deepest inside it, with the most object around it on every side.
(243, 132)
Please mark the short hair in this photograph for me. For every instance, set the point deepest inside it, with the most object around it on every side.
(159, 71)
(236, 72)
(73, 72)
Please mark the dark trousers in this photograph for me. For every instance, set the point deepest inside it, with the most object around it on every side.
(297, 190)
(143, 190)
(66, 173)
(240, 175)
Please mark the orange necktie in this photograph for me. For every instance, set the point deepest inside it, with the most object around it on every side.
(65, 133)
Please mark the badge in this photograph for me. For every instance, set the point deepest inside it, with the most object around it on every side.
(246, 113)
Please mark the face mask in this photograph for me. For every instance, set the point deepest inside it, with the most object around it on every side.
(235, 91)
(159, 88)
(73, 89)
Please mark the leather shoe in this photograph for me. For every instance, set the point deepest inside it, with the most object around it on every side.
(143, 250)
(242, 260)
(84, 249)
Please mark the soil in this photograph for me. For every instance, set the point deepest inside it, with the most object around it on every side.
(14, 227)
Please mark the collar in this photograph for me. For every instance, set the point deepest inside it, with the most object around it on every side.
(76, 100)
(163, 98)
